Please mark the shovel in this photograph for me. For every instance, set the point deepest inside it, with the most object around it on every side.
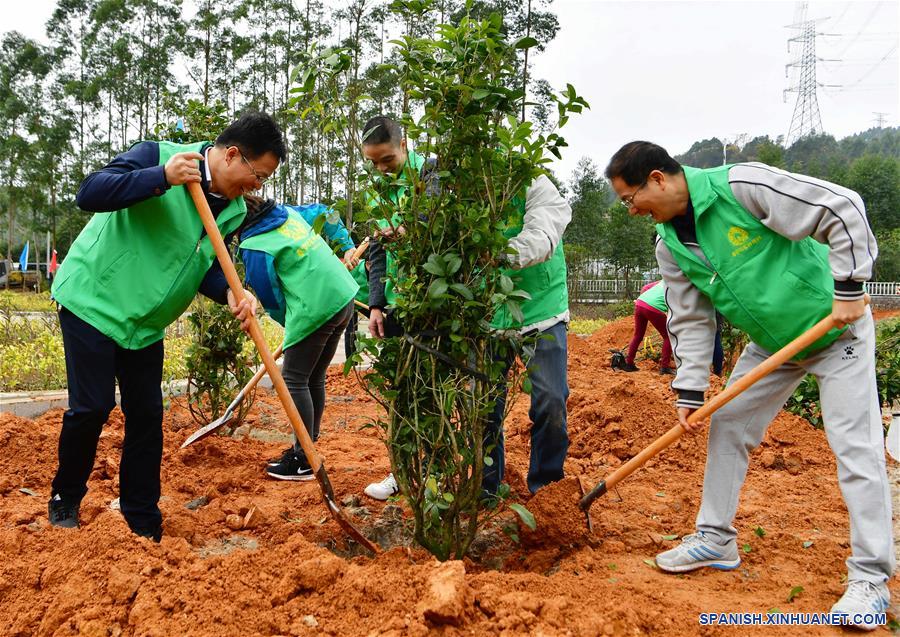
(234, 282)
(225, 418)
(765, 368)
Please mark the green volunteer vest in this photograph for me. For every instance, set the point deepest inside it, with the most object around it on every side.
(414, 162)
(132, 272)
(655, 297)
(545, 282)
(361, 276)
(769, 286)
(315, 283)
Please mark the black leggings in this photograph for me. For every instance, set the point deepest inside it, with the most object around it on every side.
(304, 368)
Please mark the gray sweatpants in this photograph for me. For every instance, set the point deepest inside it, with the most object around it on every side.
(850, 408)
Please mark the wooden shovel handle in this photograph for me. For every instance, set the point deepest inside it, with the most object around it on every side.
(765, 368)
(360, 250)
(234, 283)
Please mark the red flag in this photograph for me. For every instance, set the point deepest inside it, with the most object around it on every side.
(53, 264)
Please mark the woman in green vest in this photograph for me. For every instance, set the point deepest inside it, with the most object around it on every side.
(650, 307)
(308, 290)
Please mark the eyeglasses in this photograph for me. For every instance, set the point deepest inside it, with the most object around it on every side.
(628, 200)
(260, 179)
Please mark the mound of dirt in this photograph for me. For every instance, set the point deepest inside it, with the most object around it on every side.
(244, 555)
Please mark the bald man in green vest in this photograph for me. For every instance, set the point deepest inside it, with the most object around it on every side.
(774, 252)
(132, 271)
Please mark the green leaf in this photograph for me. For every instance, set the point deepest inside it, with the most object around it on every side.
(463, 291)
(760, 532)
(612, 566)
(525, 515)
(435, 266)
(650, 563)
(807, 544)
(794, 592)
(448, 496)
(480, 93)
(488, 461)
(669, 538)
(747, 548)
(437, 288)
(506, 284)
(525, 43)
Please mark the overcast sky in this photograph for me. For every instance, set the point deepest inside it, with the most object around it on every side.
(677, 72)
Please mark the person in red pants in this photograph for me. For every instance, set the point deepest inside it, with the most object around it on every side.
(650, 307)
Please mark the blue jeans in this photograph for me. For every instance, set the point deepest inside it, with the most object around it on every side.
(549, 436)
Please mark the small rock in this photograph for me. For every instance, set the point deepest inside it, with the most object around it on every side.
(27, 491)
(309, 620)
(114, 505)
(121, 586)
(621, 449)
(253, 518)
(241, 432)
(447, 595)
(793, 463)
(196, 503)
(351, 501)
(234, 522)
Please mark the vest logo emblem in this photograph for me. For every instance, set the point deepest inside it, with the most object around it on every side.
(737, 236)
(740, 239)
(849, 354)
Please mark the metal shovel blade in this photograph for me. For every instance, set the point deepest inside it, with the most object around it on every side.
(206, 430)
(338, 514)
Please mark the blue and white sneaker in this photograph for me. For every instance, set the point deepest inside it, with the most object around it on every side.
(696, 551)
(862, 602)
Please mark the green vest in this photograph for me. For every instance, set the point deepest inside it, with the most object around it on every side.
(315, 283)
(655, 297)
(414, 162)
(545, 282)
(361, 276)
(132, 272)
(769, 286)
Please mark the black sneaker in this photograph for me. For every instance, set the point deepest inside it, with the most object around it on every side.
(285, 455)
(630, 367)
(293, 466)
(151, 533)
(62, 514)
(667, 370)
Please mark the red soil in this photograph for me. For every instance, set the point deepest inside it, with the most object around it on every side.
(263, 557)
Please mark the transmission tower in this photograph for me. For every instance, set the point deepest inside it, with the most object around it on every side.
(806, 120)
(880, 119)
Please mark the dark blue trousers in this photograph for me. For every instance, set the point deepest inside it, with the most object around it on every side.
(93, 364)
(549, 435)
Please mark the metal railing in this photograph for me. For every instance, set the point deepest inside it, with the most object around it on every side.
(883, 288)
(612, 290)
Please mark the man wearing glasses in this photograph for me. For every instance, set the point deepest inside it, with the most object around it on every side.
(132, 271)
(774, 252)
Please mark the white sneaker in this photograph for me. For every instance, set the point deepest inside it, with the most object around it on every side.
(864, 604)
(384, 489)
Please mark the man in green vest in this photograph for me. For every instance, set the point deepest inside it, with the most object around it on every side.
(132, 271)
(774, 252)
(535, 226)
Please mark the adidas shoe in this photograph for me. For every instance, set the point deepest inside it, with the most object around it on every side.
(862, 602)
(696, 551)
(293, 466)
(384, 489)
